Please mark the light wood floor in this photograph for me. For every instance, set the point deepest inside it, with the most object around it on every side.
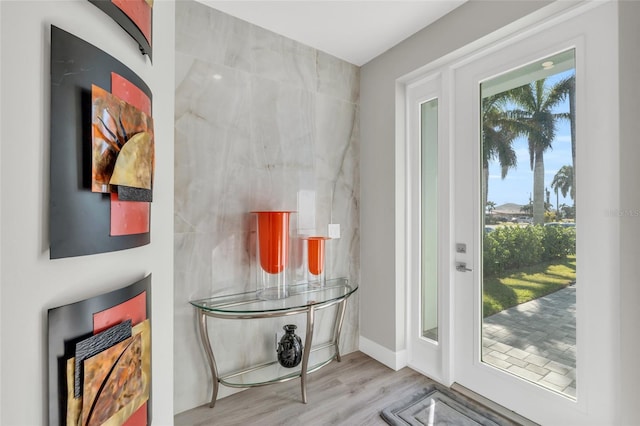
(351, 392)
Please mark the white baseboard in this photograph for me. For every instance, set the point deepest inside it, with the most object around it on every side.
(393, 360)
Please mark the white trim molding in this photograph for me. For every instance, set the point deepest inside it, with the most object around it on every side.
(394, 360)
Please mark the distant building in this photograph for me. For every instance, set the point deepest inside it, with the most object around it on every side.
(508, 210)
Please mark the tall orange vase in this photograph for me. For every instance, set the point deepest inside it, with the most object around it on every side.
(272, 254)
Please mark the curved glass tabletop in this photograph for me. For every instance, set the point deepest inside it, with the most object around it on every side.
(300, 297)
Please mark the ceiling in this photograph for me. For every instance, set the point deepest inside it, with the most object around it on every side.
(352, 30)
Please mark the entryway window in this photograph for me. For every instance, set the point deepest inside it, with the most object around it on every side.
(429, 217)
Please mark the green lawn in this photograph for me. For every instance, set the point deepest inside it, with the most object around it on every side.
(511, 288)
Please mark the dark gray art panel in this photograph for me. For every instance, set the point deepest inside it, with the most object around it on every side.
(79, 222)
(129, 193)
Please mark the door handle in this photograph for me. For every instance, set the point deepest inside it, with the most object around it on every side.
(462, 267)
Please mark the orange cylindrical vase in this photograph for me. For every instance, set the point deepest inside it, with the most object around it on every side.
(272, 253)
(273, 240)
(316, 255)
(315, 259)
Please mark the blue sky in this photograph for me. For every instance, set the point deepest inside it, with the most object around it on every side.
(517, 187)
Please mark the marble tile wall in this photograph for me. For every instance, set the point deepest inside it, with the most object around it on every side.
(258, 118)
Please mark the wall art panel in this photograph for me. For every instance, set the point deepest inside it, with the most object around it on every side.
(95, 133)
(116, 378)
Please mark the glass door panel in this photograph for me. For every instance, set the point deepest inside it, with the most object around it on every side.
(429, 218)
(529, 222)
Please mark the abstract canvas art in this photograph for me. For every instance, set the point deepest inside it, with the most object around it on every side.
(122, 148)
(96, 344)
(116, 380)
(134, 16)
(115, 383)
(100, 110)
(86, 340)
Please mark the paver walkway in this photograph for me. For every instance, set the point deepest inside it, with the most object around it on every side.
(536, 340)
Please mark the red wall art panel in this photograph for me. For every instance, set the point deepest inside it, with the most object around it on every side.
(130, 217)
(134, 16)
(138, 11)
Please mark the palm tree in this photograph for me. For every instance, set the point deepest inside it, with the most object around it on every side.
(534, 117)
(527, 208)
(548, 202)
(571, 92)
(563, 182)
(497, 138)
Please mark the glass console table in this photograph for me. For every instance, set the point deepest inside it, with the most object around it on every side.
(303, 299)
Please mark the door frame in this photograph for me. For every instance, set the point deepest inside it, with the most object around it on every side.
(592, 406)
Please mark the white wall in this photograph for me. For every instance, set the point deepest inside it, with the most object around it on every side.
(381, 310)
(30, 283)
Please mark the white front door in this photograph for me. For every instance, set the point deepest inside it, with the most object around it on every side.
(523, 366)
(448, 333)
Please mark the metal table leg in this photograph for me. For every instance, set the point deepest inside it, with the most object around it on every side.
(338, 327)
(306, 351)
(206, 343)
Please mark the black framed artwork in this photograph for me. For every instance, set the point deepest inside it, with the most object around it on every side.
(88, 120)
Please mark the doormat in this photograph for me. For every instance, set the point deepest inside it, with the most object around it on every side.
(436, 405)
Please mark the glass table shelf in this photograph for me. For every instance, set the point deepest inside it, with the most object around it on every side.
(273, 372)
(303, 299)
(300, 297)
